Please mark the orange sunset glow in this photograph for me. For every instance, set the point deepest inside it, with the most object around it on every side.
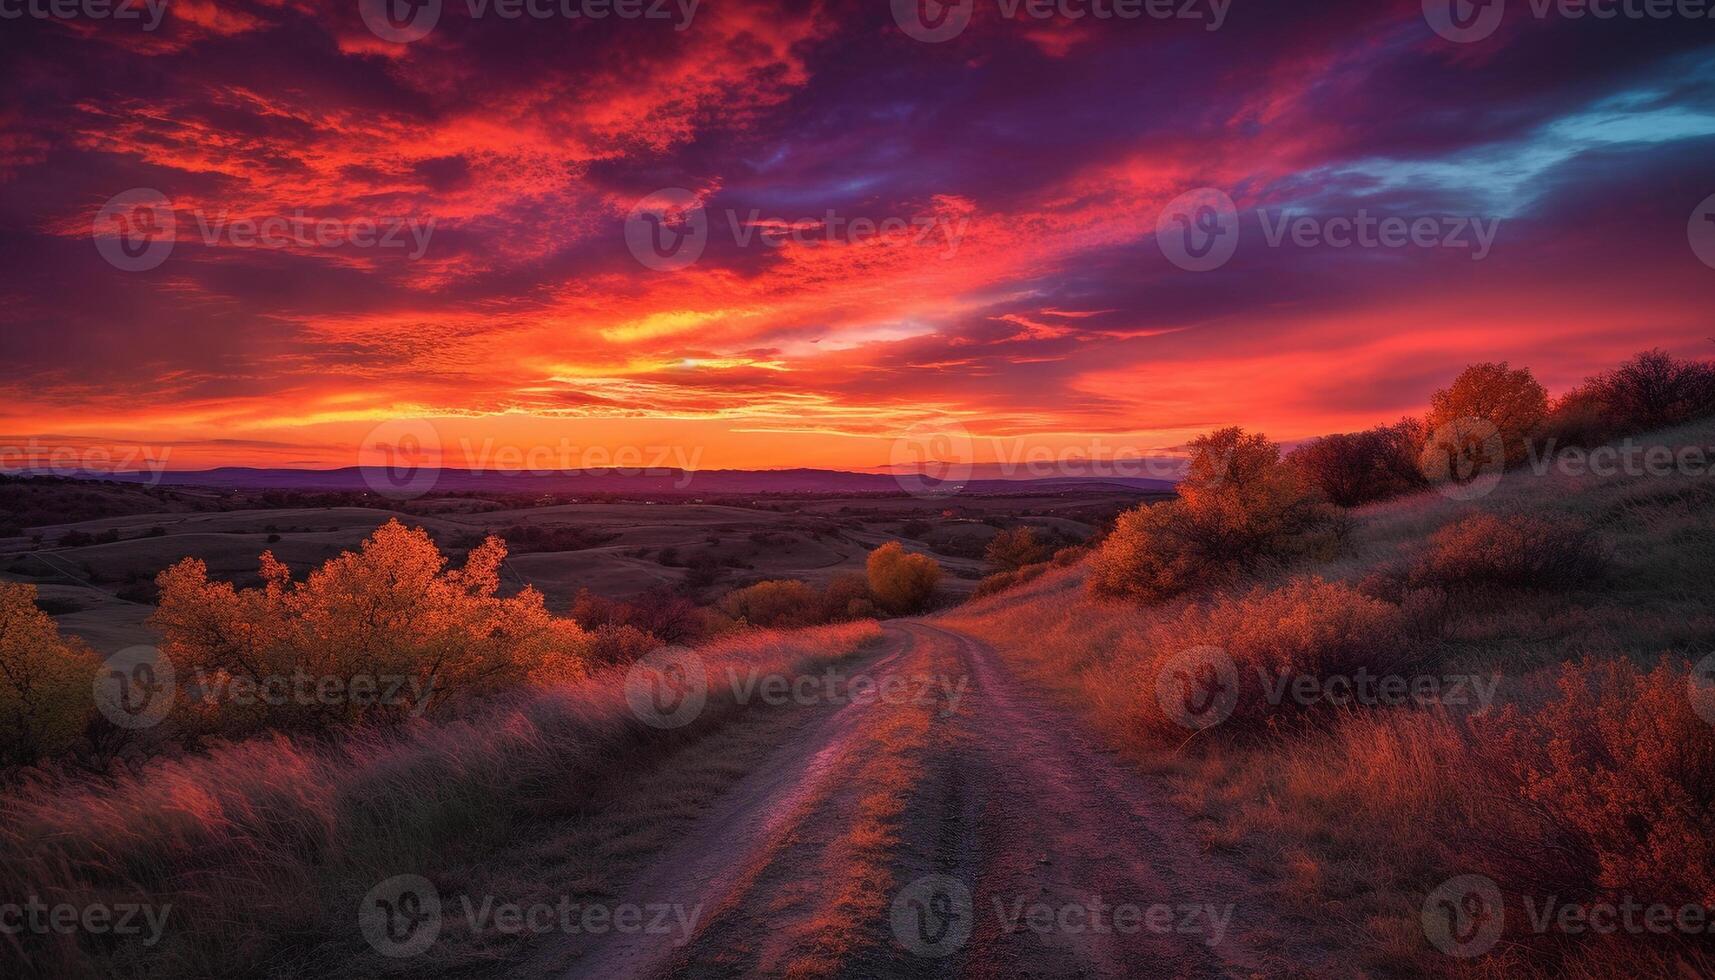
(894, 233)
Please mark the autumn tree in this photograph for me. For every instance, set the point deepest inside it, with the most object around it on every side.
(46, 681)
(390, 613)
(1239, 508)
(902, 582)
(1490, 395)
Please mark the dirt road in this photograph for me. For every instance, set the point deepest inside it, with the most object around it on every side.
(955, 824)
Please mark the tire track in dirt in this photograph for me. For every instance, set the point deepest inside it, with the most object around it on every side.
(811, 866)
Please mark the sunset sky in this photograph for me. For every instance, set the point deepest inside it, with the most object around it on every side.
(1027, 161)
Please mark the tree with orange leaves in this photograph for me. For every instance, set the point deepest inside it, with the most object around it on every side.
(380, 634)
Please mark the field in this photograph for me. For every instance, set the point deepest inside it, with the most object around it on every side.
(102, 590)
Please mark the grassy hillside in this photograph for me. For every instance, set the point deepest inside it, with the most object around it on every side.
(1587, 781)
(260, 851)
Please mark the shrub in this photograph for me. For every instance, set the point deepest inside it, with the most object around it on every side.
(1239, 508)
(1624, 768)
(670, 618)
(1579, 418)
(262, 848)
(1012, 549)
(901, 582)
(1002, 581)
(45, 681)
(1308, 627)
(1510, 400)
(1518, 551)
(1071, 555)
(847, 597)
(1654, 390)
(618, 645)
(1357, 468)
(389, 610)
(778, 603)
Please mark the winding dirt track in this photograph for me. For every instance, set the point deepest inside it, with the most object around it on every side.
(807, 867)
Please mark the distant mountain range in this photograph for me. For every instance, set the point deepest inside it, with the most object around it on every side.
(631, 482)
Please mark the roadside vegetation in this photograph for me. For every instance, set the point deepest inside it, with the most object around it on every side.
(1549, 732)
(446, 717)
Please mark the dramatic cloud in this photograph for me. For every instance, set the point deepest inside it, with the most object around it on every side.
(890, 231)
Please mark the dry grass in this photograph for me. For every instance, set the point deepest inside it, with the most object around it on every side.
(263, 847)
(1587, 786)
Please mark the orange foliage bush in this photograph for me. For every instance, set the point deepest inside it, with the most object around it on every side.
(389, 610)
(45, 681)
(1239, 508)
(903, 583)
(1624, 769)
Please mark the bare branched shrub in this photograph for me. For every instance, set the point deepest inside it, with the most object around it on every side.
(1517, 551)
(1357, 468)
(1307, 628)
